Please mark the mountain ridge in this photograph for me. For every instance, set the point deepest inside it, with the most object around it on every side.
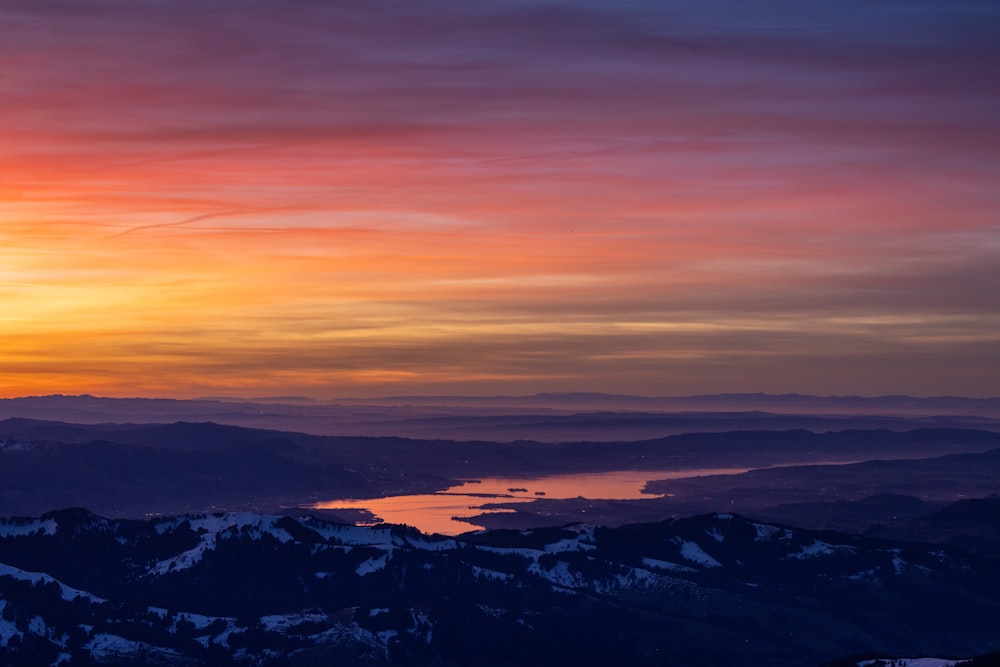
(134, 469)
(245, 588)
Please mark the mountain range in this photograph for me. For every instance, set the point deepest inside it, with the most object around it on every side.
(132, 470)
(542, 417)
(251, 589)
(874, 534)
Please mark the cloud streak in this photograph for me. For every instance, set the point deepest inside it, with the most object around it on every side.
(340, 198)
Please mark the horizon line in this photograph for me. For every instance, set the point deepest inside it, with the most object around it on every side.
(537, 395)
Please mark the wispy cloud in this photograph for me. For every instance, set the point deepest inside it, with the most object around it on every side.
(629, 195)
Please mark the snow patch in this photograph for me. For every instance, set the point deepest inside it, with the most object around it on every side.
(15, 528)
(385, 635)
(715, 534)
(234, 523)
(68, 593)
(36, 626)
(492, 575)
(912, 662)
(186, 559)
(7, 628)
(359, 536)
(558, 574)
(281, 623)
(666, 565)
(15, 446)
(211, 528)
(635, 576)
(222, 639)
(342, 633)
(255, 526)
(422, 626)
(569, 544)
(865, 575)
(372, 565)
(818, 548)
(199, 621)
(493, 612)
(425, 544)
(530, 554)
(694, 553)
(105, 646)
(766, 532)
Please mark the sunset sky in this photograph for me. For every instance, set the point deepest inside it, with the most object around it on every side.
(339, 198)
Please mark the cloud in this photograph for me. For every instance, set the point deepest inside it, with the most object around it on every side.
(573, 193)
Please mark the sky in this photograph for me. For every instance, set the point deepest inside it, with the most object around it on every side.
(333, 198)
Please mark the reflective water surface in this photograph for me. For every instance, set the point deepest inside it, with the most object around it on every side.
(433, 513)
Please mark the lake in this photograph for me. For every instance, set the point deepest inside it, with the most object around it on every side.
(433, 512)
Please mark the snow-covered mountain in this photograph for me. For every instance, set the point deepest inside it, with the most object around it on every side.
(248, 589)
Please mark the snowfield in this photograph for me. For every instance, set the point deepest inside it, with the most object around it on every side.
(818, 548)
(385, 591)
(693, 552)
(68, 592)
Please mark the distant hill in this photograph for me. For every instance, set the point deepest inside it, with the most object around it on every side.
(543, 417)
(126, 470)
(739, 401)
